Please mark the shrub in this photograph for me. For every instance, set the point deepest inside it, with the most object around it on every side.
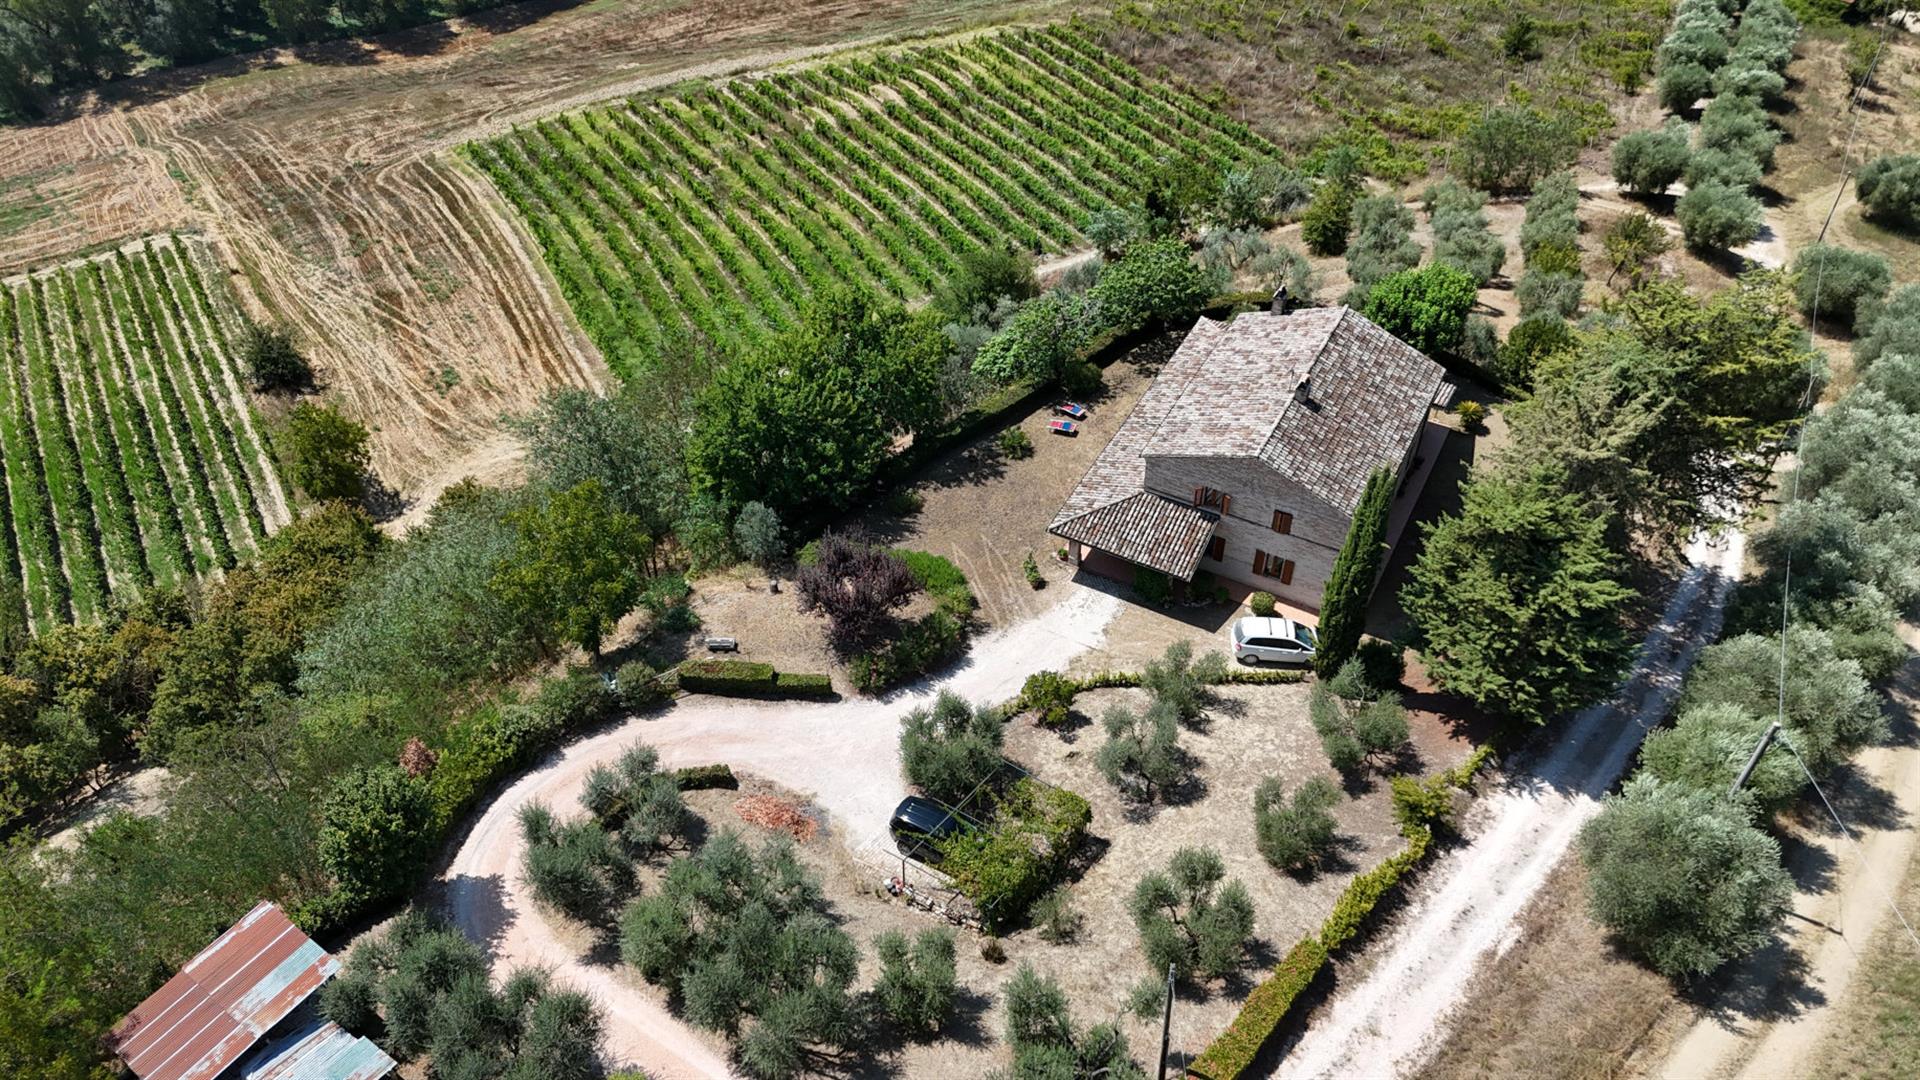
(950, 750)
(1081, 379)
(920, 647)
(1015, 444)
(756, 533)
(1355, 732)
(1460, 235)
(942, 580)
(1343, 611)
(1556, 295)
(1382, 244)
(1889, 187)
(1632, 244)
(1262, 604)
(1294, 834)
(1050, 695)
(1383, 664)
(1056, 918)
(1007, 865)
(1030, 569)
(1716, 216)
(1840, 284)
(1648, 162)
(1363, 893)
(1511, 147)
(1142, 757)
(376, 831)
(1328, 219)
(1683, 84)
(272, 360)
(1528, 343)
(1156, 282)
(1681, 877)
(917, 984)
(575, 868)
(1152, 586)
(744, 677)
(1421, 805)
(1552, 223)
(638, 685)
(856, 584)
(1189, 920)
(1472, 415)
(324, 453)
(1426, 308)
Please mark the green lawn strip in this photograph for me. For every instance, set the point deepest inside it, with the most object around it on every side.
(9, 544)
(44, 581)
(74, 526)
(205, 391)
(222, 373)
(99, 457)
(161, 529)
(172, 374)
(185, 484)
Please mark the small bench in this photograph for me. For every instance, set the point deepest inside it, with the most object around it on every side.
(722, 644)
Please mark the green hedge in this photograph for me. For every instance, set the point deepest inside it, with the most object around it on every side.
(1364, 892)
(799, 684)
(1235, 1050)
(502, 736)
(726, 677)
(700, 777)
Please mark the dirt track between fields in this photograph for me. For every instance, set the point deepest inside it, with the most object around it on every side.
(326, 180)
(843, 755)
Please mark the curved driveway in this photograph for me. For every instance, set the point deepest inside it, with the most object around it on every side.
(842, 754)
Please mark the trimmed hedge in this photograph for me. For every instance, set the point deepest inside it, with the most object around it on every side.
(1235, 1050)
(750, 678)
(802, 684)
(1364, 892)
(701, 777)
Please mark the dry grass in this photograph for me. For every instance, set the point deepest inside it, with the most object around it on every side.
(1560, 1002)
(1874, 1030)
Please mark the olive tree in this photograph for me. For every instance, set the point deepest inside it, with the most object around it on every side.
(917, 984)
(1717, 216)
(1382, 244)
(1292, 833)
(1189, 919)
(950, 749)
(1889, 187)
(1840, 284)
(1142, 756)
(1648, 162)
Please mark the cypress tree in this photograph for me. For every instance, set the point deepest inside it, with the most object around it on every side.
(1343, 610)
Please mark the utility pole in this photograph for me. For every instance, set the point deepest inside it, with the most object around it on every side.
(1753, 762)
(1166, 1025)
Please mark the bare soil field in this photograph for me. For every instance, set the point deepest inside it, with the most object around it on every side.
(321, 177)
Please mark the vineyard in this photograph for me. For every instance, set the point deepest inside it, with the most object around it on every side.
(132, 458)
(717, 210)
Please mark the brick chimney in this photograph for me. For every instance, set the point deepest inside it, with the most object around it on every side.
(1280, 302)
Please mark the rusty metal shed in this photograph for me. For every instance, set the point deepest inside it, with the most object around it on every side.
(210, 1014)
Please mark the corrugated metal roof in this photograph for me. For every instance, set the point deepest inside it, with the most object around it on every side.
(315, 1049)
(223, 1000)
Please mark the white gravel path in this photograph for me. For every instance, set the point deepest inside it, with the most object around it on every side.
(1387, 1023)
(842, 754)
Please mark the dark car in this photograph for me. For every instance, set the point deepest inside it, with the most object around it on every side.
(918, 824)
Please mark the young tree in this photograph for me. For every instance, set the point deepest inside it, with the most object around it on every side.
(272, 360)
(1180, 682)
(917, 983)
(1648, 162)
(325, 454)
(1840, 284)
(1511, 147)
(1188, 919)
(575, 868)
(374, 831)
(857, 585)
(1517, 599)
(1343, 610)
(1632, 244)
(575, 568)
(1293, 834)
(1329, 216)
(1142, 756)
(1715, 216)
(1681, 877)
(1426, 308)
(1889, 187)
(1461, 238)
(1354, 731)
(982, 277)
(951, 749)
(756, 532)
(1382, 244)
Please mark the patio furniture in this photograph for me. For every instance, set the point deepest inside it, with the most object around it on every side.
(1071, 408)
(1063, 427)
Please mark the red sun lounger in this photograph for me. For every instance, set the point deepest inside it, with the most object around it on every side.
(1064, 427)
(1072, 408)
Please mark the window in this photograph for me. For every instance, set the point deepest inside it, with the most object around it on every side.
(1273, 566)
(1282, 521)
(1217, 548)
(1212, 499)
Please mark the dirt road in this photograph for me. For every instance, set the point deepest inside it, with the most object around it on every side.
(1385, 1024)
(1803, 979)
(843, 754)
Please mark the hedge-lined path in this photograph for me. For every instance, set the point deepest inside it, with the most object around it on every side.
(844, 755)
(1388, 1022)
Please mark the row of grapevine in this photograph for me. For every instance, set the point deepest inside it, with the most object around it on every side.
(717, 210)
(129, 455)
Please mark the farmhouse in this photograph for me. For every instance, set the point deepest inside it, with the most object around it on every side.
(1247, 456)
(244, 1008)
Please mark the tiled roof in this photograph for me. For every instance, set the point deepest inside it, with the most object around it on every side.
(223, 1000)
(1229, 391)
(1148, 529)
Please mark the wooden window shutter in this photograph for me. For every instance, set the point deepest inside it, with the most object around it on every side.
(1226, 503)
(1217, 548)
(1199, 495)
(1286, 571)
(1259, 561)
(1282, 521)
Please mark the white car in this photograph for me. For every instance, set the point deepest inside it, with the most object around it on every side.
(1273, 641)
